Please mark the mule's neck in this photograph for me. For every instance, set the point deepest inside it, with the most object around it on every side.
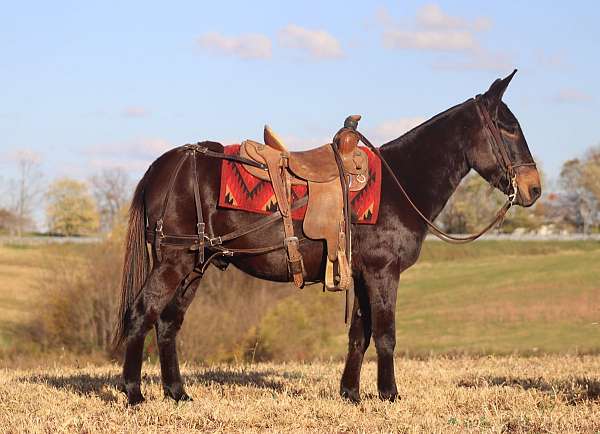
(430, 160)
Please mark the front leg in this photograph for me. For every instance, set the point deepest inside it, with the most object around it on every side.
(359, 336)
(382, 285)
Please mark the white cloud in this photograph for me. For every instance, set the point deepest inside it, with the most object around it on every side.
(481, 24)
(570, 95)
(115, 163)
(22, 154)
(136, 112)
(127, 153)
(248, 46)
(133, 155)
(434, 30)
(431, 15)
(455, 40)
(305, 142)
(391, 129)
(383, 17)
(27, 155)
(318, 44)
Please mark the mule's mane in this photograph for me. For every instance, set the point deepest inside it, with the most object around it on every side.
(428, 158)
(409, 136)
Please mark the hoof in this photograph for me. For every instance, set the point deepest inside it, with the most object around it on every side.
(135, 398)
(184, 397)
(388, 396)
(177, 394)
(133, 392)
(121, 387)
(351, 395)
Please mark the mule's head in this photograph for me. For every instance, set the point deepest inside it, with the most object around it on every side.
(500, 153)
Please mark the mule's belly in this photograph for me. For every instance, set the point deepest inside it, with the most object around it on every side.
(273, 266)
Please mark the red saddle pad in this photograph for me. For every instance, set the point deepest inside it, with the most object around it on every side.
(242, 191)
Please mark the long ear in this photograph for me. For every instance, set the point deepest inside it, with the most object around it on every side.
(496, 91)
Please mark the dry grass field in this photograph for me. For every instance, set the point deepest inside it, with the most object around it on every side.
(536, 306)
(541, 394)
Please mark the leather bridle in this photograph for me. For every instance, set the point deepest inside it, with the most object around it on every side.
(500, 150)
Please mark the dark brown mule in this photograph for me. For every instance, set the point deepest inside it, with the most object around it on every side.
(429, 161)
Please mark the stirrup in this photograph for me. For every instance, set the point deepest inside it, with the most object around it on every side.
(338, 276)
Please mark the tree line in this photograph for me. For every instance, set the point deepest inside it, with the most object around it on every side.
(571, 205)
(92, 206)
(71, 207)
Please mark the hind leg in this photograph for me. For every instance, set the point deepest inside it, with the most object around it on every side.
(167, 327)
(155, 295)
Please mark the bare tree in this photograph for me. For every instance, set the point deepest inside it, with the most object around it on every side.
(111, 189)
(580, 195)
(25, 189)
(8, 221)
(471, 206)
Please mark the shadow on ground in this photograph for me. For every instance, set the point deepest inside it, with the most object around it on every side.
(249, 378)
(103, 386)
(107, 386)
(574, 390)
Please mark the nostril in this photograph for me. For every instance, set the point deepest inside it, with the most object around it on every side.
(535, 192)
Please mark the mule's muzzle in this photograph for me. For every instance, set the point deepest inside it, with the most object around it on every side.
(530, 186)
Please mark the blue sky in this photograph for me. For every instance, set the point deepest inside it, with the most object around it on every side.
(93, 85)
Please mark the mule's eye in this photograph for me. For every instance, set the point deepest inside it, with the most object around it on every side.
(510, 128)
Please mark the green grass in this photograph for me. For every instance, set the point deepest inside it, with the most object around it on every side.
(498, 297)
(502, 297)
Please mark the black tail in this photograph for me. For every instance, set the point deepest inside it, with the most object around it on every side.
(136, 264)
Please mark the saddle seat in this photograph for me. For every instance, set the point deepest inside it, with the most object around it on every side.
(327, 205)
(317, 164)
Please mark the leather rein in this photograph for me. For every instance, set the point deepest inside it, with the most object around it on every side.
(500, 149)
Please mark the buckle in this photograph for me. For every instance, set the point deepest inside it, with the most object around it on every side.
(296, 267)
(159, 228)
(290, 240)
(196, 147)
(215, 241)
(515, 187)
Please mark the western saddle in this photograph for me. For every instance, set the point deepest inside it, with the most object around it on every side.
(330, 171)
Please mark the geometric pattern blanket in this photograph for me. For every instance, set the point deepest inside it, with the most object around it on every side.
(242, 191)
